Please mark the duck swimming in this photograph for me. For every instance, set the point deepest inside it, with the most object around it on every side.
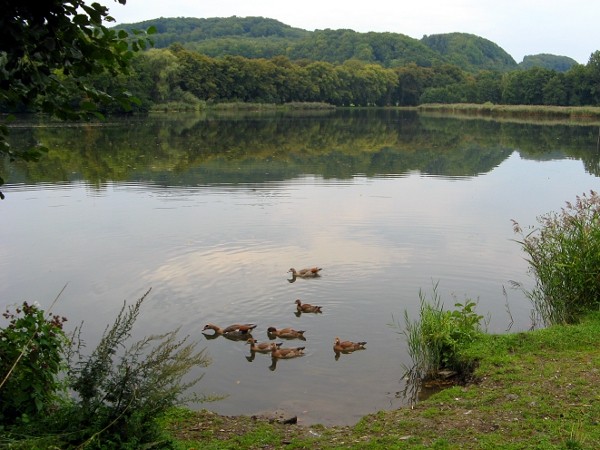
(235, 329)
(307, 307)
(347, 346)
(311, 272)
(286, 333)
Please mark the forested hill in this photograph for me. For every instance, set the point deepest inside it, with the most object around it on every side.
(258, 37)
(553, 62)
(470, 52)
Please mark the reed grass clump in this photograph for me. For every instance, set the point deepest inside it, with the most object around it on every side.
(564, 258)
(435, 340)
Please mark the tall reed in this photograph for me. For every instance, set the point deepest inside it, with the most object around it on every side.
(564, 257)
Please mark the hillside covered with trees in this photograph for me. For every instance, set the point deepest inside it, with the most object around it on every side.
(258, 37)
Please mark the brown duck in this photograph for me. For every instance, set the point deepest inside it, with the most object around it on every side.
(231, 329)
(286, 333)
(262, 347)
(307, 307)
(285, 353)
(347, 346)
(306, 273)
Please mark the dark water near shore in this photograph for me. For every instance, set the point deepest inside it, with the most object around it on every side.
(211, 212)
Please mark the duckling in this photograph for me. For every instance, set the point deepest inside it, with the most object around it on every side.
(231, 329)
(311, 272)
(262, 347)
(347, 346)
(307, 308)
(286, 333)
(285, 353)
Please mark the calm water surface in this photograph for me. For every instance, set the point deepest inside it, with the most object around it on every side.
(211, 212)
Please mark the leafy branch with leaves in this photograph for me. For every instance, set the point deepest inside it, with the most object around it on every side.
(47, 51)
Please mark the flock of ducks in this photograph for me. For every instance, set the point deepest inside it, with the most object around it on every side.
(240, 332)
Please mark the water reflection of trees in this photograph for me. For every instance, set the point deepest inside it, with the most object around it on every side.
(199, 149)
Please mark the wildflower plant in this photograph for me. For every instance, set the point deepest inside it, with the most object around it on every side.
(32, 351)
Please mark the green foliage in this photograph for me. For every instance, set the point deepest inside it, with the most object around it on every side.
(436, 339)
(564, 257)
(31, 358)
(120, 391)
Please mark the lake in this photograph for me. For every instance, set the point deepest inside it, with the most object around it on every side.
(211, 211)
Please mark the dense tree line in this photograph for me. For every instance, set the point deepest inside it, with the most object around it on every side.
(162, 76)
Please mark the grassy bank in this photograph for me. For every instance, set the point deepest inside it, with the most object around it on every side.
(588, 113)
(242, 107)
(531, 390)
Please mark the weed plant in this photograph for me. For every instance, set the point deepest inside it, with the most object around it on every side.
(564, 258)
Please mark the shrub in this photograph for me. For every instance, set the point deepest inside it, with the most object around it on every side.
(564, 257)
(31, 358)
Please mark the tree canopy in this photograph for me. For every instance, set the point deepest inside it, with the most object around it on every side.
(47, 50)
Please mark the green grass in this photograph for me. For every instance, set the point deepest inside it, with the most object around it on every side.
(533, 390)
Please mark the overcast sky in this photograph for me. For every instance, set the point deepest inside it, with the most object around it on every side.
(520, 27)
